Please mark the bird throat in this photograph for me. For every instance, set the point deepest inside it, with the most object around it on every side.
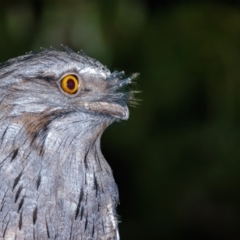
(57, 185)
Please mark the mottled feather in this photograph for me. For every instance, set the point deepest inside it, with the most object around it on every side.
(55, 182)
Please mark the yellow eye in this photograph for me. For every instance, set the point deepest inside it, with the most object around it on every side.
(70, 84)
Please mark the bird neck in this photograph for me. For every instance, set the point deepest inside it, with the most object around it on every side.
(63, 182)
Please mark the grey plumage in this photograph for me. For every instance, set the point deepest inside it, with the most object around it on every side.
(54, 180)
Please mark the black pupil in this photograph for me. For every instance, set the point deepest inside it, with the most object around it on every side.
(71, 84)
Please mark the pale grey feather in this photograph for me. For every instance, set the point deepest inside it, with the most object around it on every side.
(55, 182)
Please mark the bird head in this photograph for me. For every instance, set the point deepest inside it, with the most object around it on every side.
(73, 81)
(62, 89)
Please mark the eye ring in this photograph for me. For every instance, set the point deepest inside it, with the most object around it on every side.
(70, 84)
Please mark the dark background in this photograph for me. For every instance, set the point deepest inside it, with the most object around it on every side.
(177, 159)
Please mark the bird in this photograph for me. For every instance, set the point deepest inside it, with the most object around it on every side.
(54, 180)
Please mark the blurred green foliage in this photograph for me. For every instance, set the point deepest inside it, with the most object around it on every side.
(177, 159)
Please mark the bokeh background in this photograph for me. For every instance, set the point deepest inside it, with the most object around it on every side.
(177, 159)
